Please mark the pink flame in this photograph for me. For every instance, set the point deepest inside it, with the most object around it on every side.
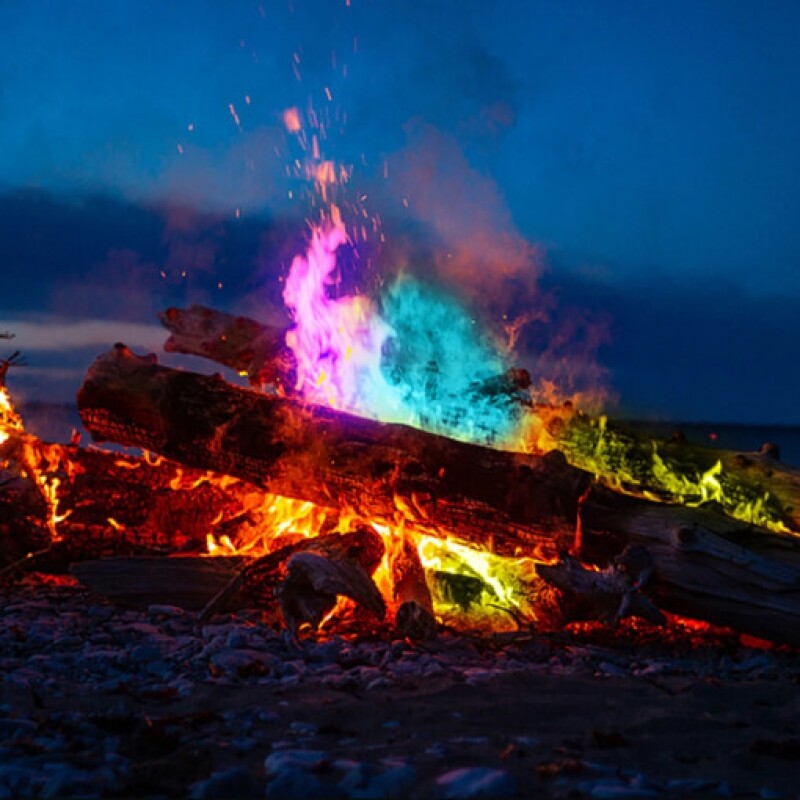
(337, 342)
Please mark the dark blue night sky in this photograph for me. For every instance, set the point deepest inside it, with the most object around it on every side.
(632, 165)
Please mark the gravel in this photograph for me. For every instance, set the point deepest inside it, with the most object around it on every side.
(97, 701)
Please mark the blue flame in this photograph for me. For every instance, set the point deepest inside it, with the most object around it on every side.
(448, 373)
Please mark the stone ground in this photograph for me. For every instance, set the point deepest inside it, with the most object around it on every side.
(96, 701)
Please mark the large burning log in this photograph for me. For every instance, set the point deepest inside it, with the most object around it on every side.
(753, 487)
(509, 502)
(66, 503)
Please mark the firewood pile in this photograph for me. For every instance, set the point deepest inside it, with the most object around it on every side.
(604, 525)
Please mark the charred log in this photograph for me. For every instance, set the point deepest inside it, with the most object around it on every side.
(110, 504)
(608, 595)
(307, 577)
(304, 579)
(139, 582)
(23, 520)
(754, 487)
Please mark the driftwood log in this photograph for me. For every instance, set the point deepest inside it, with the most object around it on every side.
(304, 579)
(704, 565)
(751, 487)
(187, 582)
(754, 487)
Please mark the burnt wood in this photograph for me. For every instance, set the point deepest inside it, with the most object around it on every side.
(303, 579)
(250, 348)
(414, 616)
(704, 564)
(701, 564)
(187, 582)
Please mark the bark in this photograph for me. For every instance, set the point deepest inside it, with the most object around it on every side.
(508, 502)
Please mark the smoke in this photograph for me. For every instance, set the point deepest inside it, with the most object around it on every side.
(459, 234)
(478, 249)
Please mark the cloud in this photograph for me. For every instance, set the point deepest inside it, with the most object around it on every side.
(246, 174)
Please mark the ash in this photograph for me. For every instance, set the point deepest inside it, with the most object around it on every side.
(97, 701)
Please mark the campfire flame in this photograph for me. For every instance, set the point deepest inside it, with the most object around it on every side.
(422, 362)
(417, 357)
(36, 461)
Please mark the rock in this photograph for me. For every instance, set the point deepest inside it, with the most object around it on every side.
(366, 781)
(241, 663)
(394, 782)
(236, 782)
(165, 611)
(615, 790)
(143, 653)
(294, 758)
(304, 729)
(296, 783)
(380, 683)
(481, 782)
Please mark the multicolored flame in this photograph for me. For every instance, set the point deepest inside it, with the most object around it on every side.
(337, 343)
(416, 357)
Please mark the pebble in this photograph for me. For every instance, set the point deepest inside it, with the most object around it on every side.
(298, 784)
(165, 611)
(483, 782)
(293, 758)
(307, 729)
(236, 782)
(60, 641)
